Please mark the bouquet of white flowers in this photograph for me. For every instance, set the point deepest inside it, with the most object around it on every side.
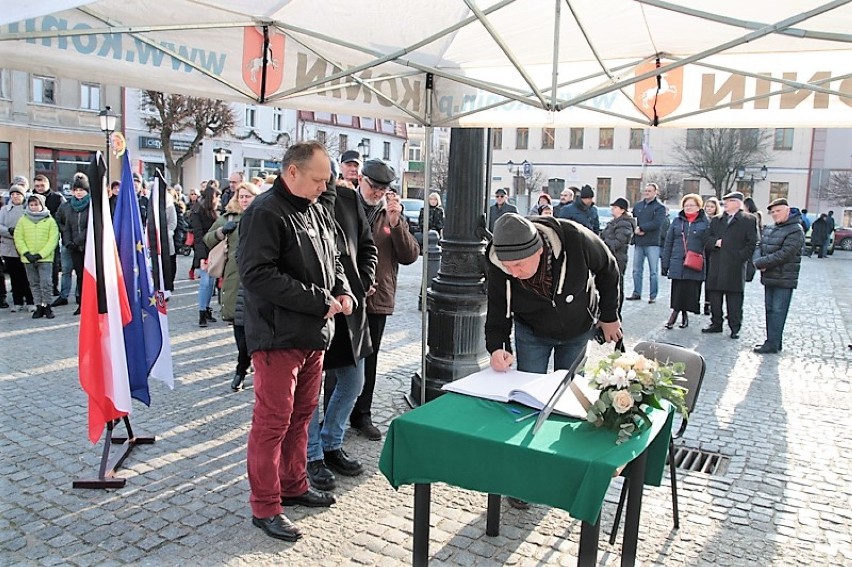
(628, 383)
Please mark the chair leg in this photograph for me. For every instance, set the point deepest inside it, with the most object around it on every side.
(621, 500)
(673, 475)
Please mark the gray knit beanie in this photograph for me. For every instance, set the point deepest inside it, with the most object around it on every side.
(515, 238)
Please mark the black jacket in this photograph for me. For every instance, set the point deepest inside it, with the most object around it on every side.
(819, 231)
(200, 221)
(290, 270)
(585, 285)
(73, 225)
(617, 236)
(650, 218)
(359, 257)
(781, 253)
(673, 252)
(727, 270)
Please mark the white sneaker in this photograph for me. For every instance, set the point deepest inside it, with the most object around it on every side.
(31, 308)
(15, 308)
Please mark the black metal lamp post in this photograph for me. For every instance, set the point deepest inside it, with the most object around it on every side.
(364, 148)
(741, 173)
(456, 301)
(107, 119)
(220, 154)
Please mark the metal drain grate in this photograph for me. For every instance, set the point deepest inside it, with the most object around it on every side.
(696, 460)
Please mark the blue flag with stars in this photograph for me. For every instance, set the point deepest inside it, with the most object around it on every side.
(142, 336)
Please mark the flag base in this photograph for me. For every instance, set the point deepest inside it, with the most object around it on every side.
(106, 475)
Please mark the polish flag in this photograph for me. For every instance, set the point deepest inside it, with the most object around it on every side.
(104, 310)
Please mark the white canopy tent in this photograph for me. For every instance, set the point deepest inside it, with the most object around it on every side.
(464, 62)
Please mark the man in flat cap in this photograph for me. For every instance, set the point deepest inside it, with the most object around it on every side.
(729, 245)
(779, 262)
(396, 245)
(350, 166)
(500, 207)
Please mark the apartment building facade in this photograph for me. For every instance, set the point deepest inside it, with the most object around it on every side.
(613, 161)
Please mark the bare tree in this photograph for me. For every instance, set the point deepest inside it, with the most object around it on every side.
(172, 114)
(715, 154)
(440, 169)
(839, 189)
(668, 183)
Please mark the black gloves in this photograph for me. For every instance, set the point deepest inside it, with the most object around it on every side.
(71, 247)
(31, 258)
(229, 227)
(12, 231)
(665, 272)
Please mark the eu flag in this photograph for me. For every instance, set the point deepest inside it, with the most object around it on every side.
(142, 335)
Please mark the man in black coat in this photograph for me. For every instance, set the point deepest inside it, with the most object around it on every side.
(779, 263)
(344, 361)
(819, 236)
(729, 243)
(293, 286)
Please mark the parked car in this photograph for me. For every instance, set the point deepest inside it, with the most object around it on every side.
(411, 209)
(604, 216)
(843, 238)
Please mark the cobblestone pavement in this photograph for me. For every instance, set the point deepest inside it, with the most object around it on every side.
(783, 498)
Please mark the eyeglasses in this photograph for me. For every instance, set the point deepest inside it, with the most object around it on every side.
(376, 186)
(499, 196)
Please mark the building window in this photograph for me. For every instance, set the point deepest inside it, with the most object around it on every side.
(604, 188)
(633, 190)
(90, 96)
(783, 139)
(59, 166)
(778, 190)
(277, 120)
(414, 152)
(5, 166)
(251, 116)
(605, 138)
(322, 136)
(693, 138)
(745, 187)
(636, 136)
(496, 138)
(577, 135)
(691, 186)
(342, 143)
(3, 88)
(548, 138)
(44, 89)
(522, 138)
(386, 151)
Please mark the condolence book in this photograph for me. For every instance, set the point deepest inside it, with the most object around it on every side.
(532, 390)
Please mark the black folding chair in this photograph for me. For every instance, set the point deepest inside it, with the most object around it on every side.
(694, 375)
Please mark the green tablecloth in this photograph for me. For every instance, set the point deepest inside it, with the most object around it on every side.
(475, 444)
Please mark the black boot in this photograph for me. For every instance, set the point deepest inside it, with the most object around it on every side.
(48, 312)
(209, 314)
(684, 320)
(39, 312)
(237, 382)
(672, 318)
(202, 318)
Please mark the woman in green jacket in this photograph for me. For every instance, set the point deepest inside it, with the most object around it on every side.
(226, 226)
(36, 237)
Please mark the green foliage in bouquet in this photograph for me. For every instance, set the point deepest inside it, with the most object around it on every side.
(629, 383)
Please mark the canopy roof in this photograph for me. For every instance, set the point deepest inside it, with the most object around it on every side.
(554, 63)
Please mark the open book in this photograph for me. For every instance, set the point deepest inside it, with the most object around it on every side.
(532, 390)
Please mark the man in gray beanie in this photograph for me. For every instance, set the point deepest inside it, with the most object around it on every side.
(556, 282)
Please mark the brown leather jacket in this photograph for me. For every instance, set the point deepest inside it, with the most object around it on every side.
(396, 246)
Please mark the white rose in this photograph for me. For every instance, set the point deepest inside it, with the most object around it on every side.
(622, 401)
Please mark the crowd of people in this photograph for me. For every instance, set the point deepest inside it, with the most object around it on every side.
(311, 257)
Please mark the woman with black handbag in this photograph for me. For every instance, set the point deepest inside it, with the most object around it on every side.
(683, 258)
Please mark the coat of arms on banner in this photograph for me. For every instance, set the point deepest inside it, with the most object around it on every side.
(658, 100)
(253, 60)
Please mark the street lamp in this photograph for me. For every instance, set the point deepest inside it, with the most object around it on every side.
(107, 119)
(520, 170)
(364, 148)
(220, 155)
(741, 173)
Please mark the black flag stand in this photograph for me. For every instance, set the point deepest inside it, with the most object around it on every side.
(106, 474)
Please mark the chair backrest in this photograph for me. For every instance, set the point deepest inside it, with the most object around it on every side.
(694, 362)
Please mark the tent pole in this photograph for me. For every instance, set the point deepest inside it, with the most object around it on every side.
(424, 284)
(557, 15)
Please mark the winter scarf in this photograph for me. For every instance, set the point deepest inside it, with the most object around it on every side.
(36, 217)
(80, 204)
